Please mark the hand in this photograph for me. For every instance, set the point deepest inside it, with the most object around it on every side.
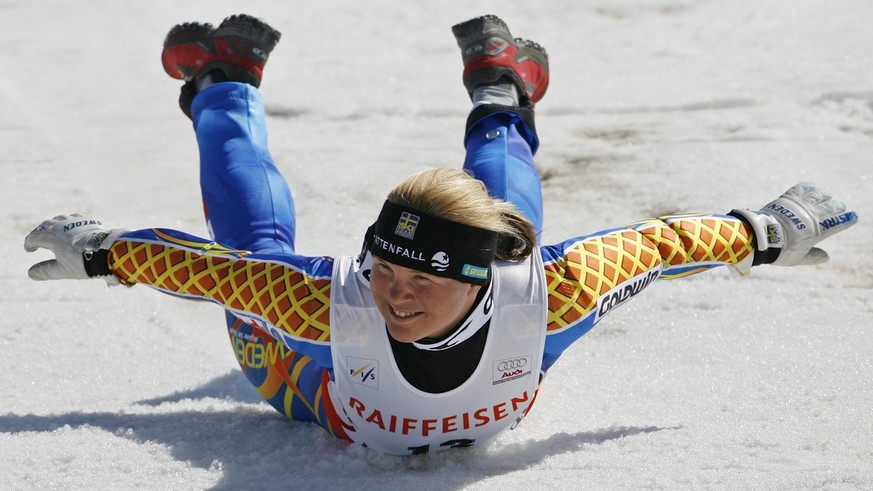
(788, 228)
(76, 241)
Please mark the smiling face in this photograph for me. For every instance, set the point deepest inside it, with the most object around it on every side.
(418, 305)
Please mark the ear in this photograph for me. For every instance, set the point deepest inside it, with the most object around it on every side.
(473, 291)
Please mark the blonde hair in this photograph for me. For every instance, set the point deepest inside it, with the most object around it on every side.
(453, 194)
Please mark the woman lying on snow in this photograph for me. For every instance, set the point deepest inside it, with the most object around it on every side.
(438, 334)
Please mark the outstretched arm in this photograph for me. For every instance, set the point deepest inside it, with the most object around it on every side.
(591, 275)
(287, 295)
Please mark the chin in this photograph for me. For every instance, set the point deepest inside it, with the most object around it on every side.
(402, 335)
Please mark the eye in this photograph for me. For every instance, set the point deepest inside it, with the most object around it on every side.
(423, 279)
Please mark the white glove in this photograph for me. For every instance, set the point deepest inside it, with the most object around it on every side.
(788, 228)
(77, 243)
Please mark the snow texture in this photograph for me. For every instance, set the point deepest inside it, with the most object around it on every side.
(656, 106)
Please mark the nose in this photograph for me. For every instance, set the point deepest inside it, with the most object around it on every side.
(399, 290)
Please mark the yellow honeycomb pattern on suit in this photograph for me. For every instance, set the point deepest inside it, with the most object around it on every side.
(282, 296)
(698, 239)
(593, 266)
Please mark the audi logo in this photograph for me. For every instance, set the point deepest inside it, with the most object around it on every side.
(511, 364)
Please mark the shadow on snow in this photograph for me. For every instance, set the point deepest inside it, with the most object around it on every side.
(249, 443)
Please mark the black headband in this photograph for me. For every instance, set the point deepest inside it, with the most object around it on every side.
(412, 239)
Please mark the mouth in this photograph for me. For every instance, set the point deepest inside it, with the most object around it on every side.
(402, 315)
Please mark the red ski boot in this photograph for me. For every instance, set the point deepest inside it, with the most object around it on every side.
(490, 53)
(239, 48)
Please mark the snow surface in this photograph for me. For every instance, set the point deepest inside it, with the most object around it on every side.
(656, 106)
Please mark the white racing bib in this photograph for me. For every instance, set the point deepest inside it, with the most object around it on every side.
(390, 415)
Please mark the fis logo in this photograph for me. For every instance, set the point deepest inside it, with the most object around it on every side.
(406, 225)
(363, 371)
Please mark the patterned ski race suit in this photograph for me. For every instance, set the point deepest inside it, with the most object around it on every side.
(279, 304)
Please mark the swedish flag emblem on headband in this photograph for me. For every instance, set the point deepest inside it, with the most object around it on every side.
(439, 247)
(406, 225)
